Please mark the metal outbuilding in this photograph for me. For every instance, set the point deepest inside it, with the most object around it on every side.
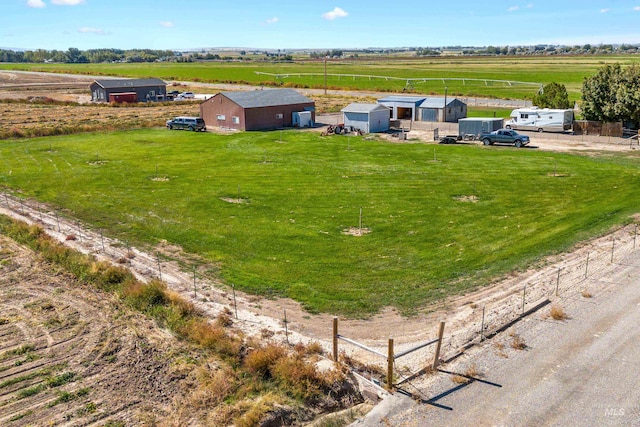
(255, 110)
(402, 107)
(471, 128)
(441, 109)
(368, 118)
(108, 90)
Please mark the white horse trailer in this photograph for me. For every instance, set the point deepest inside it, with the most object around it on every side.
(540, 119)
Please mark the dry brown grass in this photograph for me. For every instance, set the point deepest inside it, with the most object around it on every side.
(517, 342)
(225, 318)
(557, 313)
(500, 351)
(213, 387)
(25, 119)
(309, 349)
(262, 360)
(469, 375)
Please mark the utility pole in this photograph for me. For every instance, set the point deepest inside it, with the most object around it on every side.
(325, 74)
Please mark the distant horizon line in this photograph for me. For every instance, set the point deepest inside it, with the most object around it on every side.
(317, 49)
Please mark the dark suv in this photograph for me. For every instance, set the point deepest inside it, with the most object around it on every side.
(190, 123)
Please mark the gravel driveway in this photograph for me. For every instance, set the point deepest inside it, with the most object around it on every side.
(583, 370)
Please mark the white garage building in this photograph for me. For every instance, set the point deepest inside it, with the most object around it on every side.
(368, 118)
(403, 107)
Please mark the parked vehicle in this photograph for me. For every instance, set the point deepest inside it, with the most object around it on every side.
(505, 136)
(472, 127)
(187, 95)
(540, 119)
(187, 123)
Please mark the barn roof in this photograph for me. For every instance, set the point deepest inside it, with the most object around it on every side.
(129, 83)
(357, 107)
(438, 102)
(398, 98)
(267, 98)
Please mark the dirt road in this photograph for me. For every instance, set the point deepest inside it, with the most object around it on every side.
(583, 370)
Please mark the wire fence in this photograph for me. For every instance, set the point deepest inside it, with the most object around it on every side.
(573, 277)
(568, 279)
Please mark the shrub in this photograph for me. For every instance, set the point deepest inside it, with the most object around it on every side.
(262, 360)
(557, 313)
(517, 342)
(145, 297)
(301, 378)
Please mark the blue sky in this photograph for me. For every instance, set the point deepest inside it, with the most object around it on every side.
(285, 24)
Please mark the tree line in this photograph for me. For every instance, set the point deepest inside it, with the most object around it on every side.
(77, 56)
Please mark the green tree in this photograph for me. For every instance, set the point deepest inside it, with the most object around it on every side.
(613, 94)
(553, 95)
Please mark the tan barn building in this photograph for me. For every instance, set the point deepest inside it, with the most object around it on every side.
(255, 110)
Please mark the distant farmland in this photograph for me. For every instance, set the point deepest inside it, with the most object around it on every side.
(569, 71)
(278, 217)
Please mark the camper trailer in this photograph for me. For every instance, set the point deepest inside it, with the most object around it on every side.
(540, 119)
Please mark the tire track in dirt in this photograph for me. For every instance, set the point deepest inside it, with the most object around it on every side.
(72, 355)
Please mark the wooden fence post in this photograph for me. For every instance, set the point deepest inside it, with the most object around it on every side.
(436, 358)
(390, 360)
(335, 339)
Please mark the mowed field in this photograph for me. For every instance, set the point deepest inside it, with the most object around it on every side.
(567, 70)
(279, 213)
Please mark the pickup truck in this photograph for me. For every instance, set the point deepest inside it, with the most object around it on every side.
(504, 136)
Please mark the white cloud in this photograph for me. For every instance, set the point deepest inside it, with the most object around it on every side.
(67, 2)
(272, 20)
(166, 24)
(335, 13)
(91, 30)
(529, 6)
(35, 3)
(637, 8)
(604, 10)
(513, 8)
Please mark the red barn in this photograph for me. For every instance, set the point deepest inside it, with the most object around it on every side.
(255, 110)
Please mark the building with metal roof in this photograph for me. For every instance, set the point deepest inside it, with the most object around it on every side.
(128, 90)
(255, 110)
(425, 108)
(441, 109)
(368, 118)
(403, 107)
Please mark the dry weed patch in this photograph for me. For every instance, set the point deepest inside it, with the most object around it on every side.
(586, 294)
(557, 313)
(517, 342)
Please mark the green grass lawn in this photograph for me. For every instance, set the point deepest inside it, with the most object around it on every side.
(437, 227)
(567, 70)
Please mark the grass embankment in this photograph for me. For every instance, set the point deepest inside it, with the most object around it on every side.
(250, 379)
(568, 70)
(272, 215)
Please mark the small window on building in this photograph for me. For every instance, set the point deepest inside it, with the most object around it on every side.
(279, 116)
(236, 120)
(152, 93)
(221, 117)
